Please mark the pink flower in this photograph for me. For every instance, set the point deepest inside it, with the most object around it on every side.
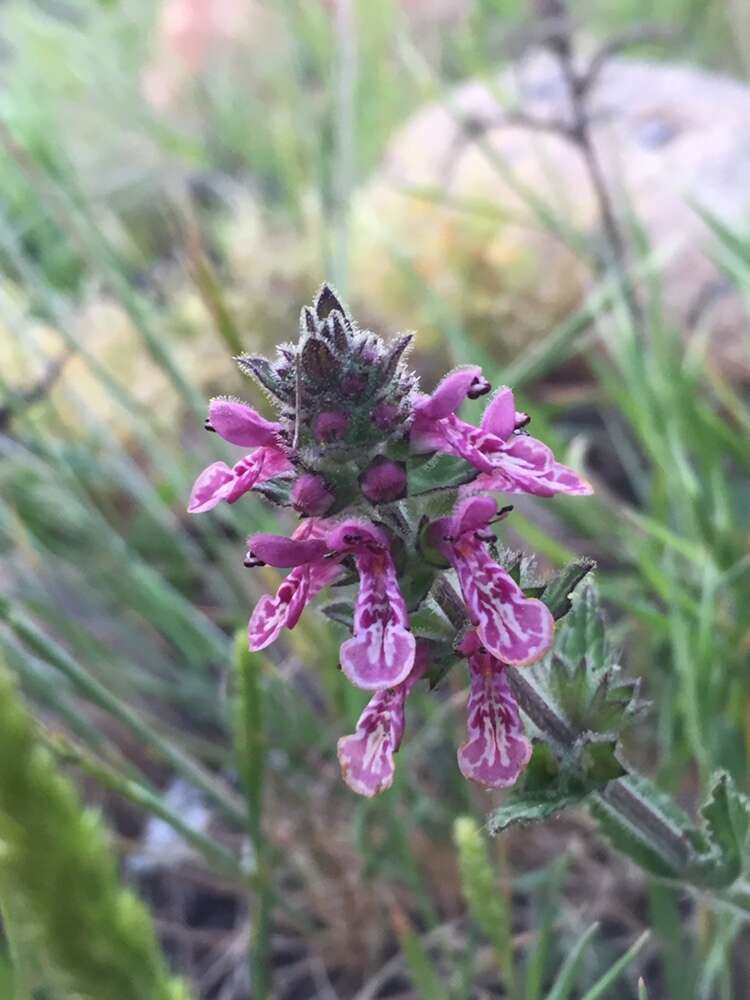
(383, 480)
(311, 496)
(507, 460)
(514, 628)
(305, 551)
(239, 424)
(330, 426)
(458, 385)
(380, 653)
(497, 749)
(366, 757)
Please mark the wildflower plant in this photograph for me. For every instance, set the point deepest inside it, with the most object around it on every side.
(399, 498)
(394, 492)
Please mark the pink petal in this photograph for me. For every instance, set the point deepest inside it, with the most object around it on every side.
(212, 486)
(473, 515)
(378, 656)
(366, 757)
(507, 479)
(384, 480)
(311, 496)
(514, 628)
(278, 550)
(240, 424)
(525, 452)
(497, 750)
(220, 482)
(499, 417)
(381, 651)
(452, 391)
(355, 533)
(283, 610)
(468, 443)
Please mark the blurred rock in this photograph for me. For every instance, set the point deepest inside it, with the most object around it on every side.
(463, 202)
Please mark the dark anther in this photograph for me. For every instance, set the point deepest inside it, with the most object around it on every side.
(479, 387)
(208, 426)
(251, 561)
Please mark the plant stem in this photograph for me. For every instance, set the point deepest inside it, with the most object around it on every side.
(251, 754)
(619, 796)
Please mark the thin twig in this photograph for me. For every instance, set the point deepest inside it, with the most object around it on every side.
(578, 84)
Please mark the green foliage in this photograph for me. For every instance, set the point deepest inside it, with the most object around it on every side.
(57, 872)
(551, 784)
(632, 839)
(721, 843)
(583, 676)
(439, 473)
(250, 746)
(90, 509)
(420, 966)
(712, 855)
(483, 896)
(557, 593)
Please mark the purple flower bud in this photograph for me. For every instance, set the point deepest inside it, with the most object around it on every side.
(353, 385)
(385, 416)
(278, 550)
(383, 480)
(330, 426)
(310, 495)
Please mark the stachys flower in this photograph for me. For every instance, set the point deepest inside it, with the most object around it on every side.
(347, 456)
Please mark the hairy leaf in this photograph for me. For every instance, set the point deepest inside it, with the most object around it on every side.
(550, 785)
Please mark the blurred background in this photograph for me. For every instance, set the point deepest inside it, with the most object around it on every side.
(176, 180)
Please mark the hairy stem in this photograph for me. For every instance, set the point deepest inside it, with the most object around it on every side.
(637, 812)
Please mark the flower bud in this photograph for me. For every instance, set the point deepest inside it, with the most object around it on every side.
(311, 496)
(383, 480)
(330, 426)
(385, 416)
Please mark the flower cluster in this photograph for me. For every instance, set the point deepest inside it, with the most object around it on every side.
(347, 453)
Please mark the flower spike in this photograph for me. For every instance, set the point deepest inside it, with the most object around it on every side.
(348, 441)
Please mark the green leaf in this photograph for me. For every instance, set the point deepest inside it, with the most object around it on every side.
(416, 583)
(430, 623)
(610, 977)
(485, 902)
(441, 472)
(721, 844)
(581, 674)
(566, 977)
(277, 491)
(59, 873)
(341, 612)
(550, 785)
(557, 592)
(636, 840)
